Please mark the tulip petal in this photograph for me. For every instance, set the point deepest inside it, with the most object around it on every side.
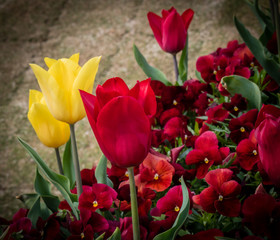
(173, 33)
(155, 22)
(49, 61)
(34, 97)
(125, 130)
(187, 17)
(75, 57)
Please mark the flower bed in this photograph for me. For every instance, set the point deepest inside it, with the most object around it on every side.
(198, 159)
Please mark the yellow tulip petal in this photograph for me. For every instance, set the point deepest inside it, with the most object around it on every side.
(56, 98)
(86, 76)
(50, 131)
(75, 57)
(49, 61)
(34, 97)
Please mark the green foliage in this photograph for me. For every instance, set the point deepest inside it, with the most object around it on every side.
(150, 71)
(59, 181)
(68, 166)
(101, 172)
(249, 90)
(181, 218)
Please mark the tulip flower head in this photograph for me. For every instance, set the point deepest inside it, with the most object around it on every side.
(51, 132)
(61, 83)
(171, 29)
(120, 120)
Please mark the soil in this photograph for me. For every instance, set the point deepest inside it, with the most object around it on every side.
(31, 30)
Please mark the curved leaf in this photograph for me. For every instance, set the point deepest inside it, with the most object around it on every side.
(259, 51)
(101, 172)
(41, 186)
(59, 181)
(170, 234)
(116, 235)
(249, 90)
(183, 64)
(150, 71)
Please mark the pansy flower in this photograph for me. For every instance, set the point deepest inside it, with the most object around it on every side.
(97, 196)
(221, 195)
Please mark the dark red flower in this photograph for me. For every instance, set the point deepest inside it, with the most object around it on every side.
(247, 152)
(242, 126)
(237, 103)
(206, 66)
(127, 229)
(205, 153)
(262, 215)
(120, 120)
(221, 195)
(171, 29)
(98, 196)
(88, 176)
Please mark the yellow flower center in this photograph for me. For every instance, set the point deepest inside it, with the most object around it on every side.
(95, 204)
(214, 72)
(252, 64)
(176, 209)
(156, 176)
(220, 198)
(175, 102)
(186, 137)
(126, 173)
(255, 152)
(242, 129)
(206, 160)
(235, 109)
(82, 235)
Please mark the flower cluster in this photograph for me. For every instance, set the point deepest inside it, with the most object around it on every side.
(199, 159)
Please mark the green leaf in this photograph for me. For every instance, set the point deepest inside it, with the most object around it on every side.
(68, 166)
(183, 63)
(150, 71)
(170, 234)
(101, 172)
(263, 56)
(38, 209)
(249, 90)
(52, 202)
(59, 181)
(116, 235)
(28, 199)
(42, 187)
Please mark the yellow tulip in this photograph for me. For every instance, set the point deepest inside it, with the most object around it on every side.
(61, 83)
(51, 132)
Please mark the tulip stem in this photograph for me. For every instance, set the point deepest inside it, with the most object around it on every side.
(59, 161)
(76, 160)
(276, 18)
(134, 207)
(175, 67)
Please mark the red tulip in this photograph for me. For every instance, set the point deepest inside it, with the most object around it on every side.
(170, 30)
(267, 134)
(120, 120)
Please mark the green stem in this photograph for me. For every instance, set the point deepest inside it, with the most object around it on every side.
(59, 161)
(134, 207)
(76, 161)
(175, 67)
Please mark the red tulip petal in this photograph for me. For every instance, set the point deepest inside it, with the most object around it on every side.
(187, 17)
(155, 22)
(173, 33)
(125, 131)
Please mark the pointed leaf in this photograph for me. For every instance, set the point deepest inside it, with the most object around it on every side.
(150, 71)
(170, 234)
(116, 235)
(263, 56)
(52, 202)
(59, 181)
(41, 186)
(101, 172)
(28, 199)
(68, 166)
(249, 90)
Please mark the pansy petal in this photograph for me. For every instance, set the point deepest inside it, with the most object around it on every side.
(207, 198)
(228, 207)
(230, 189)
(217, 177)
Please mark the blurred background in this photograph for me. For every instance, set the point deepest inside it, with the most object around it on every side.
(31, 30)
